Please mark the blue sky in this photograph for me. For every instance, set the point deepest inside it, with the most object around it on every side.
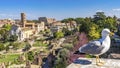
(58, 9)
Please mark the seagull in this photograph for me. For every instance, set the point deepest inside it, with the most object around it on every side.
(97, 48)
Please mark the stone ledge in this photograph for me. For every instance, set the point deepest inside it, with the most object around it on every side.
(91, 63)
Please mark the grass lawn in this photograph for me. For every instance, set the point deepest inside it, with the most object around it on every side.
(8, 57)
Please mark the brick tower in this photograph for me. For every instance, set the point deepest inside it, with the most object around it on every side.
(23, 19)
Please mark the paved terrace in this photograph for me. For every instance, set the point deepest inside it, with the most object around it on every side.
(91, 63)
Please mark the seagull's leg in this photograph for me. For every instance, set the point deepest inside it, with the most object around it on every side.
(97, 59)
(98, 63)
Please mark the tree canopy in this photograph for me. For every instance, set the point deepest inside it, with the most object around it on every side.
(93, 26)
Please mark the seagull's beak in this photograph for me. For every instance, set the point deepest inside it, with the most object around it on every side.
(111, 33)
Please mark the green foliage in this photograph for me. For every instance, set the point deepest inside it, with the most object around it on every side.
(99, 16)
(13, 38)
(2, 47)
(63, 53)
(15, 45)
(7, 48)
(68, 46)
(84, 27)
(27, 47)
(9, 57)
(21, 44)
(68, 20)
(61, 61)
(93, 32)
(7, 27)
(36, 21)
(80, 20)
(30, 55)
(58, 34)
(47, 31)
(66, 32)
(39, 43)
(93, 26)
(104, 22)
(4, 35)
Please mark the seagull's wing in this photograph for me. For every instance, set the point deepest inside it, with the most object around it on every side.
(93, 47)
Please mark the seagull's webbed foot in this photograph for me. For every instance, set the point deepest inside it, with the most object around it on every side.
(99, 62)
(102, 62)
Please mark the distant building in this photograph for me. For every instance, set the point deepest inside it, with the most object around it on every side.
(46, 20)
(58, 26)
(17, 21)
(25, 30)
(23, 19)
(6, 21)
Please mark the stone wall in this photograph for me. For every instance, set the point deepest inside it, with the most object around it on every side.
(91, 63)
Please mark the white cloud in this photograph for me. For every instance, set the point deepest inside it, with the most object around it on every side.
(117, 9)
(99, 10)
(4, 16)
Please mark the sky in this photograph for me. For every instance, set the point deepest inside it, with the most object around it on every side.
(58, 9)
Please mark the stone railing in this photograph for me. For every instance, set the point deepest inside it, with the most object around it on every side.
(91, 63)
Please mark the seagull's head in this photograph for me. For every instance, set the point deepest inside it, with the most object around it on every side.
(105, 32)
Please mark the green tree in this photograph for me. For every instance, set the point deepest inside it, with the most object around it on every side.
(68, 46)
(84, 27)
(7, 27)
(99, 19)
(79, 20)
(88, 19)
(93, 32)
(30, 55)
(63, 55)
(2, 47)
(13, 38)
(99, 16)
(110, 23)
(36, 21)
(68, 20)
(4, 35)
(65, 21)
(103, 21)
(27, 47)
(60, 63)
(66, 31)
(58, 34)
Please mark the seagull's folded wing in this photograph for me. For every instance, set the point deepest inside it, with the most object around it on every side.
(93, 47)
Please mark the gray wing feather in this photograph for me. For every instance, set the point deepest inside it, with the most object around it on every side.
(93, 47)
